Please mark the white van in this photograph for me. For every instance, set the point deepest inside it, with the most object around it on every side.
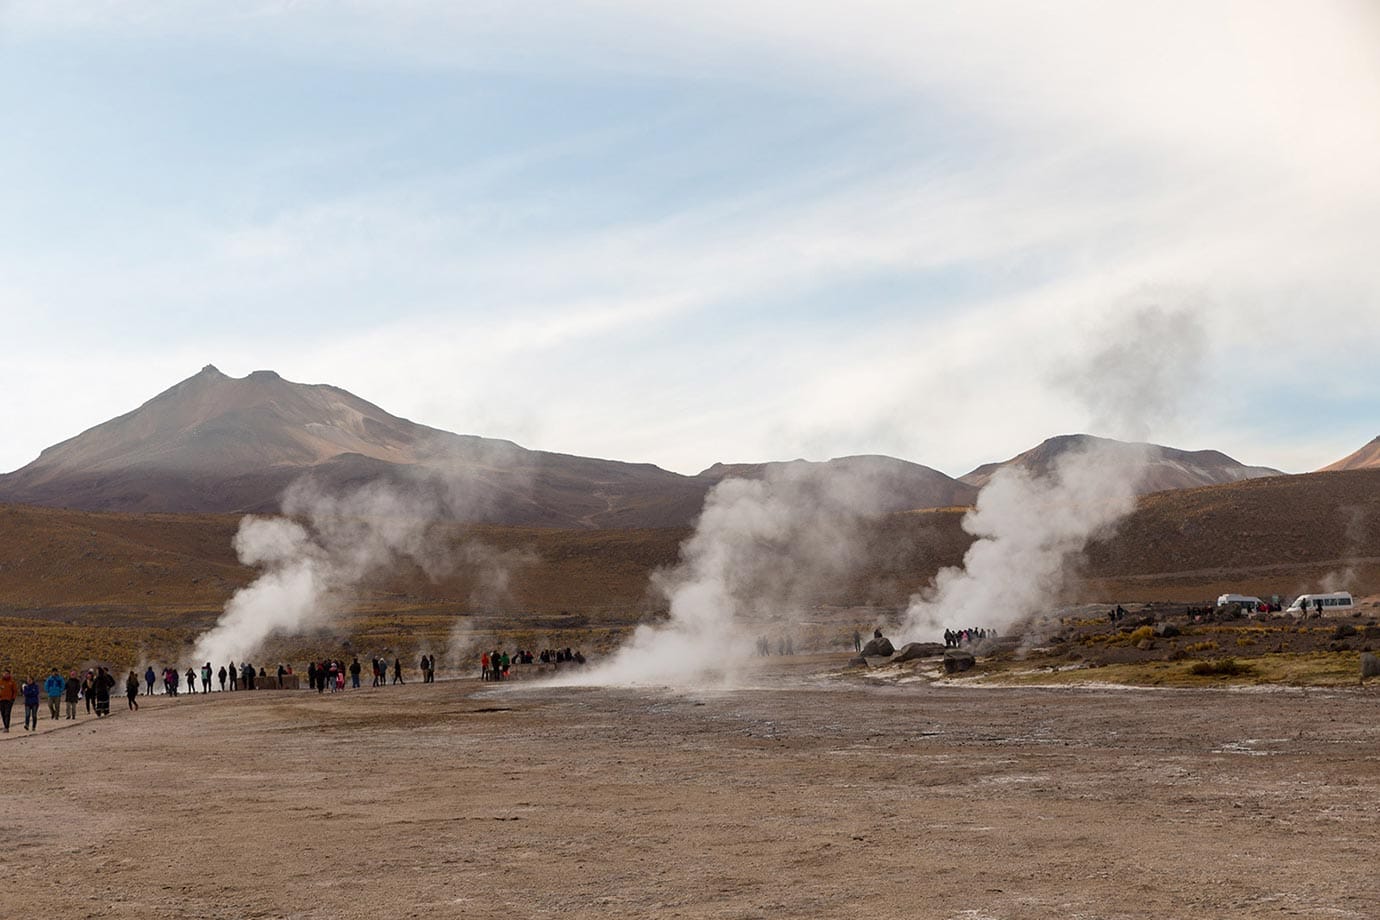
(1336, 602)
(1247, 601)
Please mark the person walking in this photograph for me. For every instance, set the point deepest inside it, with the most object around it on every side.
(71, 693)
(88, 690)
(132, 690)
(53, 687)
(103, 683)
(30, 691)
(397, 671)
(8, 691)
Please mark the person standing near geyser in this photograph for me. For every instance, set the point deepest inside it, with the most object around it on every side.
(30, 691)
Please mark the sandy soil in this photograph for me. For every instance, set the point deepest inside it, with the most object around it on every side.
(804, 796)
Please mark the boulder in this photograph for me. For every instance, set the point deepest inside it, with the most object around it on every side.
(915, 650)
(1344, 631)
(1168, 631)
(1370, 666)
(880, 647)
(956, 661)
(857, 661)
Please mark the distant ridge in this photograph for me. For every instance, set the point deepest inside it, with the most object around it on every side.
(1367, 458)
(214, 443)
(1170, 468)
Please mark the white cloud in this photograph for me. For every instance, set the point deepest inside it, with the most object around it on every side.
(1222, 152)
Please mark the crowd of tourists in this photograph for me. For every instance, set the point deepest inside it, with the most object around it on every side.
(496, 665)
(95, 685)
(957, 638)
(784, 646)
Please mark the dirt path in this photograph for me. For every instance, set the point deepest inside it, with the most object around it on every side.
(804, 797)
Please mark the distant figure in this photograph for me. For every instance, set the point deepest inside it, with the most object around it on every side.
(53, 687)
(397, 671)
(149, 678)
(88, 691)
(71, 692)
(30, 691)
(234, 677)
(221, 675)
(191, 681)
(206, 677)
(857, 641)
(484, 666)
(103, 684)
(132, 690)
(9, 690)
(876, 634)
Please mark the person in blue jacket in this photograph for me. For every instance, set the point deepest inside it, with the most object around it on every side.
(30, 691)
(53, 687)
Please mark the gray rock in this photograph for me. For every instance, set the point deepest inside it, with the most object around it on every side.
(878, 648)
(912, 651)
(956, 661)
(857, 661)
(1370, 666)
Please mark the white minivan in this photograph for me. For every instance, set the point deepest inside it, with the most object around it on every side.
(1245, 601)
(1335, 602)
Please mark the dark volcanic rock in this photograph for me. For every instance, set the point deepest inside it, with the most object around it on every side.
(857, 661)
(913, 650)
(956, 660)
(878, 648)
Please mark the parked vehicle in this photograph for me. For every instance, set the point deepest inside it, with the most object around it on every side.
(1244, 601)
(1334, 602)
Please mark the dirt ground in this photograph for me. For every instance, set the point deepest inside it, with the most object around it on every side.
(804, 795)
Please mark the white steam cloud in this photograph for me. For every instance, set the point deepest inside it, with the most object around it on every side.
(324, 548)
(1028, 528)
(761, 551)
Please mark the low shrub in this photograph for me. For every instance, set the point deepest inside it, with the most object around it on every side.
(1220, 667)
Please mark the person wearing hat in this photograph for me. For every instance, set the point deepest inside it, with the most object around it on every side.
(53, 687)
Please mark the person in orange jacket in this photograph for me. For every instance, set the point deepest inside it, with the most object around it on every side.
(8, 691)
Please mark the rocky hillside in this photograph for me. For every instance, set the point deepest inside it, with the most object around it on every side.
(1169, 468)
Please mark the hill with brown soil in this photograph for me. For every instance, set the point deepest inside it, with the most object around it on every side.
(1278, 535)
(1168, 467)
(1367, 458)
(907, 486)
(214, 443)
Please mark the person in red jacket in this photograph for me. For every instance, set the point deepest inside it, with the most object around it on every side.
(8, 691)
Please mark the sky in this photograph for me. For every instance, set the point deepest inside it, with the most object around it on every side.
(687, 233)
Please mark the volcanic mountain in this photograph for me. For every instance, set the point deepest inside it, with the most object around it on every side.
(218, 443)
(907, 485)
(214, 443)
(1367, 458)
(1169, 468)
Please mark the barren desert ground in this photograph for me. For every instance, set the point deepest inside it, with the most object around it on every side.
(802, 795)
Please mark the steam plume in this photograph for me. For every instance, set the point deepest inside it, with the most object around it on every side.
(327, 545)
(1028, 528)
(761, 551)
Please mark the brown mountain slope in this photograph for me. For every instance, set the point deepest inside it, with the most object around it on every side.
(1169, 467)
(906, 485)
(214, 443)
(1278, 535)
(1367, 458)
